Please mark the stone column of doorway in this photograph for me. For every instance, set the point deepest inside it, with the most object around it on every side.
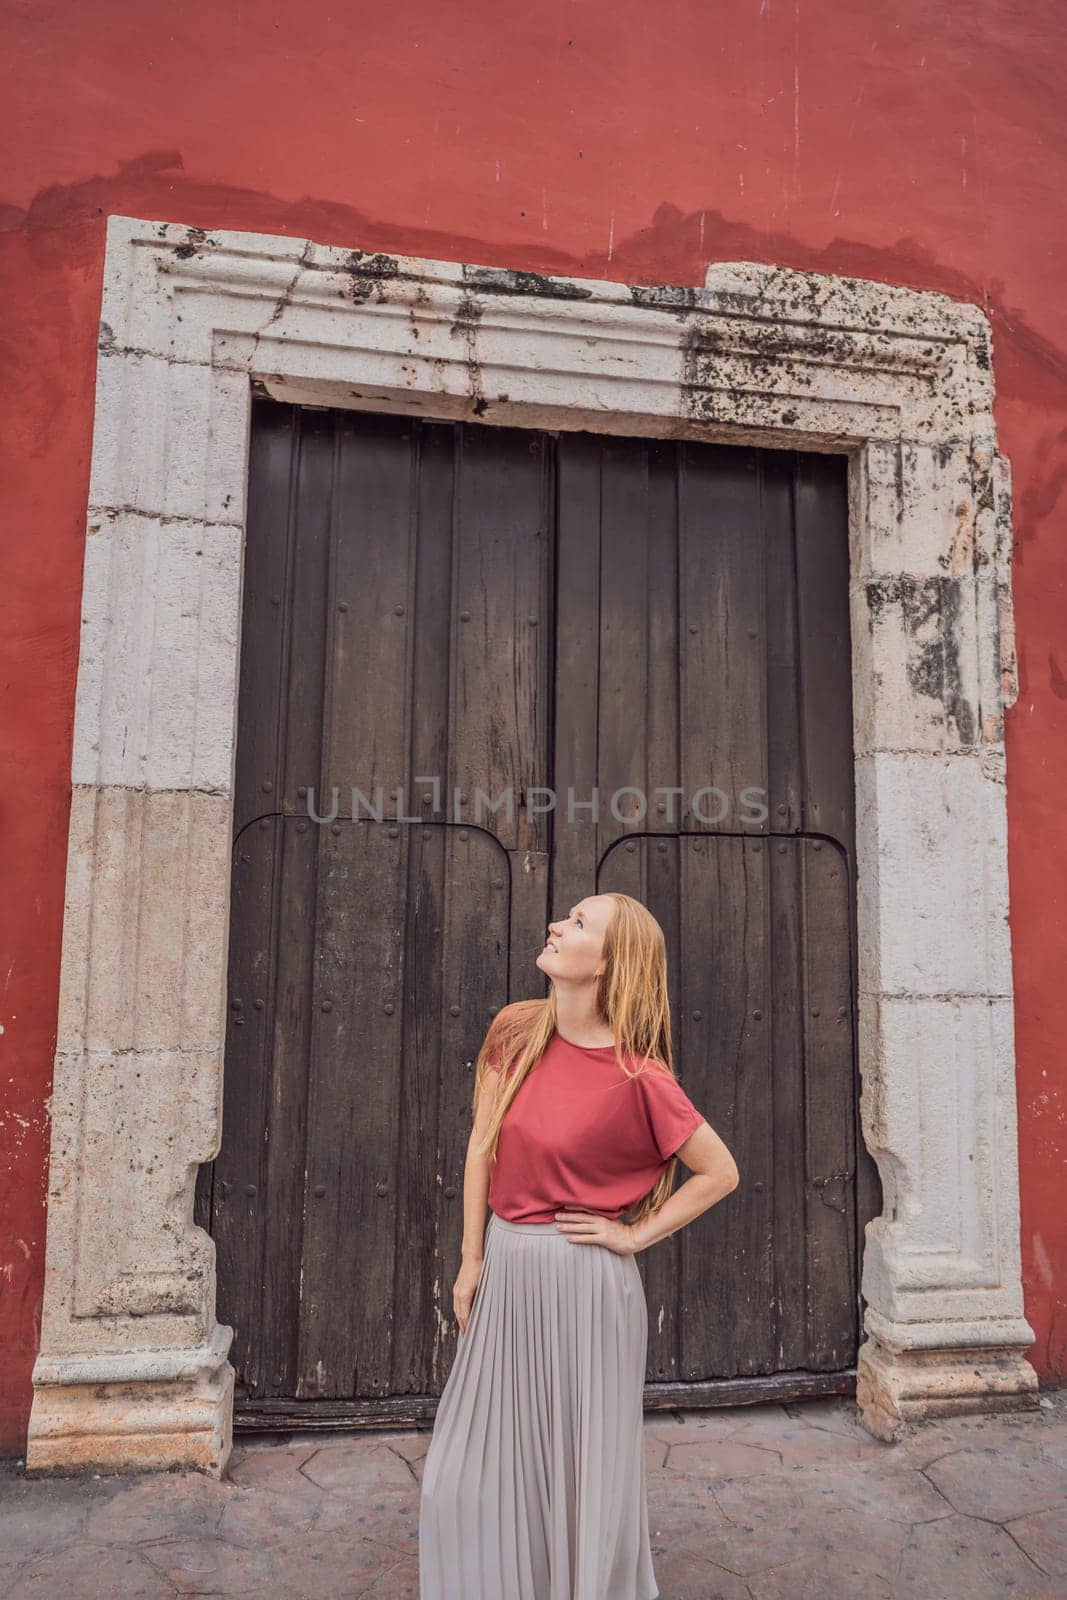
(132, 1372)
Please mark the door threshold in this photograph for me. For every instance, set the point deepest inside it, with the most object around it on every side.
(418, 1411)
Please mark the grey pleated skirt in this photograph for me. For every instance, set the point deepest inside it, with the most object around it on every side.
(533, 1486)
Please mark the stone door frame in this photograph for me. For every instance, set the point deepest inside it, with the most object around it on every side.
(133, 1371)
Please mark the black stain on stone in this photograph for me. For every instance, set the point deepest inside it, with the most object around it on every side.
(898, 465)
(367, 273)
(505, 280)
(666, 297)
(881, 592)
(372, 266)
(983, 490)
(468, 314)
(194, 238)
(770, 359)
(930, 609)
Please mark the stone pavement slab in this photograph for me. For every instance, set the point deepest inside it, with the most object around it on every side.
(766, 1502)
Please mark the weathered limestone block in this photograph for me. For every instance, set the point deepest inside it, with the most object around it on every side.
(134, 1413)
(130, 1130)
(937, 1102)
(157, 684)
(933, 886)
(897, 1388)
(147, 906)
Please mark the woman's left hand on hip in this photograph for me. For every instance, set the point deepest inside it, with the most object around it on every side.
(588, 1227)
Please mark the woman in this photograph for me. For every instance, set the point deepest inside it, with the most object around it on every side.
(533, 1487)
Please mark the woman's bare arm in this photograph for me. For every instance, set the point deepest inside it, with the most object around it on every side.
(715, 1175)
(476, 1173)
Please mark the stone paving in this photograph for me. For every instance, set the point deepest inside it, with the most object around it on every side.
(756, 1503)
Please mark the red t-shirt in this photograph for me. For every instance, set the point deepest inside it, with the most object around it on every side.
(581, 1133)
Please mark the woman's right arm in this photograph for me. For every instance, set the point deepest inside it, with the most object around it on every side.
(475, 1203)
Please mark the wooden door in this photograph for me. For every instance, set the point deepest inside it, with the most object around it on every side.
(516, 612)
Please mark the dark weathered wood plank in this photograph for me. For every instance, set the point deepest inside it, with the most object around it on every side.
(369, 618)
(751, 1223)
(263, 672)
(575, 853)
(623, 686)
(721, 623)
(785, 746)
(433, 618)
(473, 894)
(789, 1108)
(662, 651)
(237, 1219)
(831, 1119)
(528, 874)
(302, 761)
(287, 994)
(498, 725)
(346, 1305)
(824, 661)
(421, 1189)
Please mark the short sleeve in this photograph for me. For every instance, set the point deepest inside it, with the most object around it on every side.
(672, 1115)
(494, 1062)
(493, 1074)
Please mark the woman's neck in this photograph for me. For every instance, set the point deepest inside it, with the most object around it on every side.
(577, 1020)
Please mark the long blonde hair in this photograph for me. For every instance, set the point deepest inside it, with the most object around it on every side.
(631, 999)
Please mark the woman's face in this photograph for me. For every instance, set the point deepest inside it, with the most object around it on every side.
(575, 944)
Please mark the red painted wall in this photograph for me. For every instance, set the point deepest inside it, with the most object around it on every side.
(910, 142)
